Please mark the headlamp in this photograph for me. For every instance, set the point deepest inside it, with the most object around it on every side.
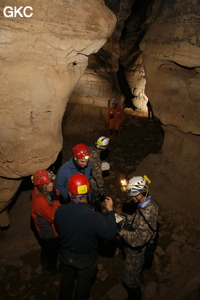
(147, 179)
(123, 182)
(51, 175)
(124, 185)
(82, 189)
(99, 143)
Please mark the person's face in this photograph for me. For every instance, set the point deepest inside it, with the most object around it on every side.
(49, 186)
(138, 198)
(82, 162)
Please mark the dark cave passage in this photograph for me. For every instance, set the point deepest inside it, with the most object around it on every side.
(124, 87)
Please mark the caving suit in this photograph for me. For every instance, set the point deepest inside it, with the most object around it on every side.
(66, 171)
(115, 118)
(79, 226)
(42, 213)
(136, 236)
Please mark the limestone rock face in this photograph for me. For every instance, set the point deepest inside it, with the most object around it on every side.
(41, 60)
(92, 91)
(171, 56)
(99, 83)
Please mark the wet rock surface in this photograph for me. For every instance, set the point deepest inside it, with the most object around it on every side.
(174, 273)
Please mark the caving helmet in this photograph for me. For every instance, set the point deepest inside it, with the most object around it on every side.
(114, 102)
(43, 176)
(78, 186)
(81, 151)
(102, 142)
(136, 185)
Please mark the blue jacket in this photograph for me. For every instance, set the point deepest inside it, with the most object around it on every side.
(66, 171)
(79, 226)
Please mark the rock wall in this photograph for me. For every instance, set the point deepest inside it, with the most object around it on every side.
(133, 32)
(90, 96)
(135, 76)
(41, 60)
(99, 83)
(171, 56)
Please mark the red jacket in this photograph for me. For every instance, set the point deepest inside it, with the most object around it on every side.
(42, 212)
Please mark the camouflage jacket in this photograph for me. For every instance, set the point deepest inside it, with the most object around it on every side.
(139, 233)
(97, 179)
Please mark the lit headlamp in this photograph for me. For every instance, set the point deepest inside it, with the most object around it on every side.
(124, 185)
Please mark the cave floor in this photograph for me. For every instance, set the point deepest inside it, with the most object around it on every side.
(20, 271)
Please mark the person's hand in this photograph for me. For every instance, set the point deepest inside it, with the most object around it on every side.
(108, 203)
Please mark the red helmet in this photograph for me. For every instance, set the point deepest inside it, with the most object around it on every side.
(78, 184)
(81, 151)
(42, 176)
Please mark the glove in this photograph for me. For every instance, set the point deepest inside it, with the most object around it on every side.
(120, 221)
(101, 190)
(54, 196)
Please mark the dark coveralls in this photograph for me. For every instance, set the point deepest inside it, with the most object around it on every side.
(79, 226)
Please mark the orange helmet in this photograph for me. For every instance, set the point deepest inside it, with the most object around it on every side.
(81, 151)
(78, 184)
(42, 176)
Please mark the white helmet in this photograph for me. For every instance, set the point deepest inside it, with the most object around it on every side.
(102, 142)
(137, 185)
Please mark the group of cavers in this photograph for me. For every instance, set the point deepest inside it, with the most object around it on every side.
(69, 222)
